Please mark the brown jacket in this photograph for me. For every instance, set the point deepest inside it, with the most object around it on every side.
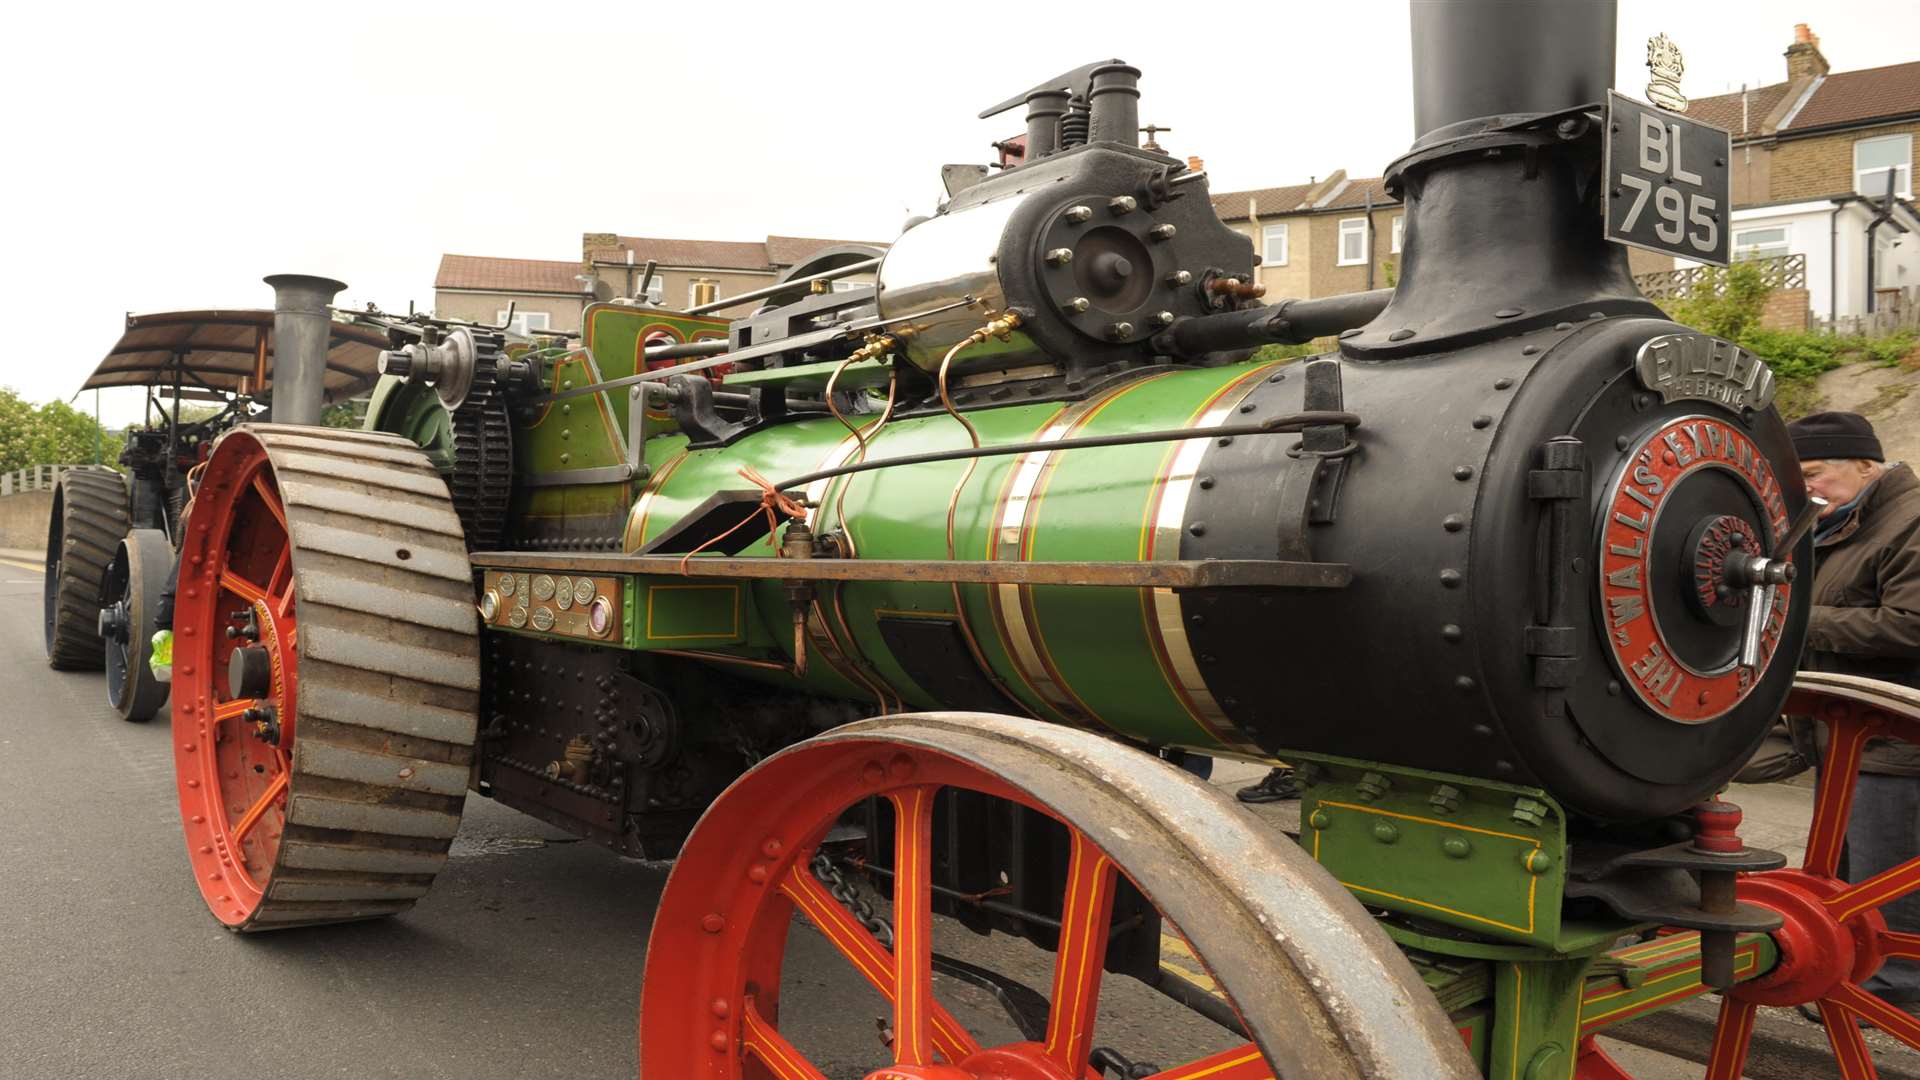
(1866, 601)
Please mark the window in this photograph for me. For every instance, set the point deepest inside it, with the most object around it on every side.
(1353, 241)
(694, 299)
(1399, 231)
(1873, 159)
(1273, 245)
(524, 322)
(1762, 243)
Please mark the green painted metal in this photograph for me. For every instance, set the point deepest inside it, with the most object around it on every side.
(1094, 657)
(1651, 975)
(1486, 857)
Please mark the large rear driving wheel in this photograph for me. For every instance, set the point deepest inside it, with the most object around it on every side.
(326, 674)
(89, 518)
(1317, 987)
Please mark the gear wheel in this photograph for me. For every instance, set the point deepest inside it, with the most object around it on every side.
(482, 476)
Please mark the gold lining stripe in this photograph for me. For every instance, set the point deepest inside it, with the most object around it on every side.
(1012, 539)
(636, 534)
(1160, 541)
(1533, 881)
(842, 657)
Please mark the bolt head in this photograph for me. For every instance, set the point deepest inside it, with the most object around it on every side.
(1120, 331)
(1076, 306)
(1162, 231)
(1160, 319)
(1059, 256)
(1122, 204)
(1179, 277)
(1078, 214)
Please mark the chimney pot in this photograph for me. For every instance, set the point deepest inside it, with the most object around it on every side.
(1804, 58)
(1197, 164)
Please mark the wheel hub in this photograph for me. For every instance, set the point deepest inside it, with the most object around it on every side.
(1818, 952)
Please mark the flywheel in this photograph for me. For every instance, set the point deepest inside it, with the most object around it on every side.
(1313, 986)
(326, 674)
(89, 519)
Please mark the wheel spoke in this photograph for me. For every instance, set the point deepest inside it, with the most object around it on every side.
(1849, 1048)
(757, 1037)
(1894, 1021)
(1086, 916)
(270, 499)
(259, 808)
(227, 710)
(1894, 944)
(277, 585)
(868, 956)
(912, 925)
(1244, 1062)
(1833, 802)
(1731, 1039)
(1877, 891)
(241, 587)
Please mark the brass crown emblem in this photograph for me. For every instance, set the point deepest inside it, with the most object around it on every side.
(1666, 65)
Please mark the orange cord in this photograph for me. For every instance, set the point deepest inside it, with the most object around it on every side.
(773, 503)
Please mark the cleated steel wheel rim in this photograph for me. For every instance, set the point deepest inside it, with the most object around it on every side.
(1834, 937)
(1316, 986)
(325, 677)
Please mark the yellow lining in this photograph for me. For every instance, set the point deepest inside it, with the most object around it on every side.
(1533, 881)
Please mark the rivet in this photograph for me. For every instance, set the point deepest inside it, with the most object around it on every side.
(1482, 421)
(1463, 472)
(719, 1008)
(718, 1040)
(1621, 442)
(1281, 377)
(1536, 862)
(1464, 682)
(1401, 334)
(1563, 327)
(206, 849)
(1385, 832)
(216, 876)
(1198, 528)
(1319, 819)
(1613, 687)
(1507, 313)
(1456, 847)
(1452, 632)
(1503, 766)
(1529, 350)
(1227, 441)
(197, 819)
(1206, 483)
(771, 847)
(1345, 334)
(193, 783)
(1502, 384)
(757, 873)
(188, 747)
(712, 923)
(900, 767)
(1247, 408)
(1453, 523)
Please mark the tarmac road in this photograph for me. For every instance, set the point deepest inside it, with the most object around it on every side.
(524, 962)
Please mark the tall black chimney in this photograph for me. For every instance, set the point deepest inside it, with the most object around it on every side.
(1502, 188)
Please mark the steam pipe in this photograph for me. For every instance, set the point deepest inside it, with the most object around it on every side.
(1115, 101)
(301, 327)
(1288, 322)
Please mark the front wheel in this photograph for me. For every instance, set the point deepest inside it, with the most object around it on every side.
(131, 600)
(89, 518)
(1311, 986)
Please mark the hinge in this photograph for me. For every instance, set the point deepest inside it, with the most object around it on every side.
(1554, 645)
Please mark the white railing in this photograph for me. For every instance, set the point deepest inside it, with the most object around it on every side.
(31, 478)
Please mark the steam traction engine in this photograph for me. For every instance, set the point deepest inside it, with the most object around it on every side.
(1510, 575)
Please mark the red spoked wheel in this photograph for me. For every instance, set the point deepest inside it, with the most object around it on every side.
(324, 677)
(1319, 989)
(1834, 937)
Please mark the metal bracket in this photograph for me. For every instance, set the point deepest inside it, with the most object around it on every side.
(1310, 490)
(1559, 483)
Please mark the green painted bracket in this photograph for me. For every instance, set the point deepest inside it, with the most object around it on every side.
(1485, 857)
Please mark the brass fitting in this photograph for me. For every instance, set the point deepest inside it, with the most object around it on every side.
(1001, 327)
(877, 345)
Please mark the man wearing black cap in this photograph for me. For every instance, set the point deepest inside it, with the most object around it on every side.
(1866, 621)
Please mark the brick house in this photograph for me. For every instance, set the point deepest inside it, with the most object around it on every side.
(1812, 158)
(548, 294)
(1331, 236)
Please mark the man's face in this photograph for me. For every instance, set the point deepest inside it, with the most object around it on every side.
(1837, 480)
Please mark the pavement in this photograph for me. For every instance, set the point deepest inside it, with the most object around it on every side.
(524, 961)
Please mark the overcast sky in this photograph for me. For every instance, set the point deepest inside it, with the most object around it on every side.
(168, 156)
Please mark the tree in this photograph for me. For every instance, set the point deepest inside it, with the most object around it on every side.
(53, 434)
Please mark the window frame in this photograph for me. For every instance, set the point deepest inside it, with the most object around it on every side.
(522, 321)
(1267, 235)
(1399, 231)
(1785, 245)
(1340, 249)
(1903, 190)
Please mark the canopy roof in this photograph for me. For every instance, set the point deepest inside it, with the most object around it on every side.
(218, 351)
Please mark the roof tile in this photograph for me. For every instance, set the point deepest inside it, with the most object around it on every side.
(506, 275)
(1848, 97)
